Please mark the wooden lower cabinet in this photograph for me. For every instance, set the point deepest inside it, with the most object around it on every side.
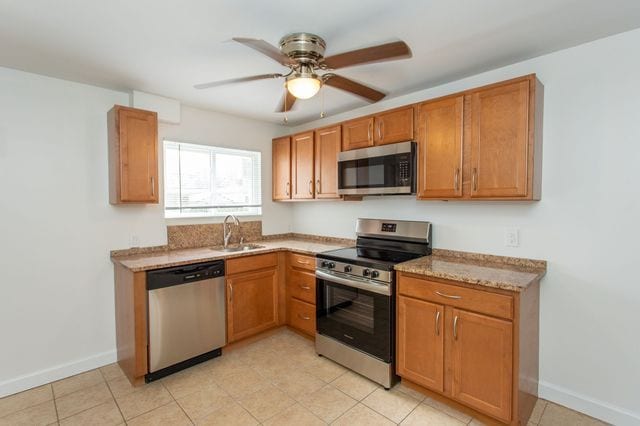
(482, 363)
(483, 356)
(421, 342)
(302, 316)
(301, 293)
(252, 303)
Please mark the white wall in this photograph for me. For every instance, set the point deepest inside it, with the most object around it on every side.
(57, 227)
(586, 225)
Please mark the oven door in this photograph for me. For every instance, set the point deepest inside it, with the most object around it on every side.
(388, 169)
(355, 312)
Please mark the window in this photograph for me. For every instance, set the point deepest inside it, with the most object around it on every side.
(201, 180)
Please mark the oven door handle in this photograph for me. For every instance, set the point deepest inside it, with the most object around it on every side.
(356, 283)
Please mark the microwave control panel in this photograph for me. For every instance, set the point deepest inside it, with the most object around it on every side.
(404, 172)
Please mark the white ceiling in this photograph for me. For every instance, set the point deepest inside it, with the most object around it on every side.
(165, 47)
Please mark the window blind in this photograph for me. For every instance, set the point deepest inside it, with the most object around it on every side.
(202, 180)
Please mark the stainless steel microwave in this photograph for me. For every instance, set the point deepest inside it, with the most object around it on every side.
(380, 170)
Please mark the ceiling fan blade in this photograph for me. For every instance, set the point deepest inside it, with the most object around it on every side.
(236, 80)
(382, 52)
(266, 49)
(287, 100)
(356, 88)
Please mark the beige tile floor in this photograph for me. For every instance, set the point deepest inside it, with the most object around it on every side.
(278, 380)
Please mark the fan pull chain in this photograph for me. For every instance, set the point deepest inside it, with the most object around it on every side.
(322, 113)
(285, 120)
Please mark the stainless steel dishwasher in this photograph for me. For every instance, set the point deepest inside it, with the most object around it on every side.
(186, 316)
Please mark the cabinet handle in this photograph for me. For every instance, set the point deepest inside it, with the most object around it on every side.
(381, 131)
(437, 323)
(303, 262)
(448, 296)
(455, 328)
(318, 186)
(287, 189)
(475, 179)
(303, 317)
(456, 179)
(153, 186)
(369, 130)
(305, 287)
(311, 187)
(230, 292)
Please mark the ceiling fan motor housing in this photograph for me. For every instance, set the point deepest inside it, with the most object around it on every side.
(303, 47)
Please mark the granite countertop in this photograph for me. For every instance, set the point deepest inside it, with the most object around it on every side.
(505, 273)
(168, 258)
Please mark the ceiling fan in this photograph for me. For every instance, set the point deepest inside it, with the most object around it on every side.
(303, 54)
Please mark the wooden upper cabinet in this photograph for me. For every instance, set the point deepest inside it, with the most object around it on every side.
(440, 147)
(302, 165)
(482, 363)
(281, 158)
(501, 143)
(420, 344)
(252, 303)
(394, 126)
(328, 143)
(133, 155)
(357, 133)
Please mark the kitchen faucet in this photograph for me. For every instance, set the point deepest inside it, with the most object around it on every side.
(227, 228)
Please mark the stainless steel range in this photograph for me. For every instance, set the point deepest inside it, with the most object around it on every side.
(355, 295)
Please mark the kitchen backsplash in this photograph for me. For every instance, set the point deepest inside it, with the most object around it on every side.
(210, 234)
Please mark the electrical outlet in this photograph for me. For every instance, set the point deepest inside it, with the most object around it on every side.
(134, 241)
(511, 237)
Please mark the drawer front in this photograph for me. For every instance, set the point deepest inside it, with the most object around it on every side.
(302, 285)
(498, 305)
(302, 261)
(302, 316)
(251, 263)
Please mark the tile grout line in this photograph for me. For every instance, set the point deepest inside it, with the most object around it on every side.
(115, 401)
(546, 404)
(177, 403)
(55, 404)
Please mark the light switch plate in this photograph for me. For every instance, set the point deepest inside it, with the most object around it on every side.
(511, 237)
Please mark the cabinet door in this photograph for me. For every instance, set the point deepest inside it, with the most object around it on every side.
(394, 126)
(328, 143)
(440, 148)
(482, 363)
(500, 140)
(252, 303)
(357, 133)
(302, 165)
(138, 151)
(281, 153)
(420, 342)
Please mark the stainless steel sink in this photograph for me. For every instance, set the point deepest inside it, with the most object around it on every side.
(243, 247)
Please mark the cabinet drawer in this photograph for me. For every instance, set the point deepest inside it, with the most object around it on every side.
(302, 285)
(302, 316)
(460, 297)
(251, 263)
(302, 261)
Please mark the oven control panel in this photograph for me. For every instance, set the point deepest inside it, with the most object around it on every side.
(351, 270)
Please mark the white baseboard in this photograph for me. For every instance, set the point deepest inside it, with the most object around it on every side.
(593, 407)
(48, 375)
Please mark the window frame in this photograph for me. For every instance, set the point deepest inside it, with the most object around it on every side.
(255, 210)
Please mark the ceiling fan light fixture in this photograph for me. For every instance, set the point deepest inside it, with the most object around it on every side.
(303, 84)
